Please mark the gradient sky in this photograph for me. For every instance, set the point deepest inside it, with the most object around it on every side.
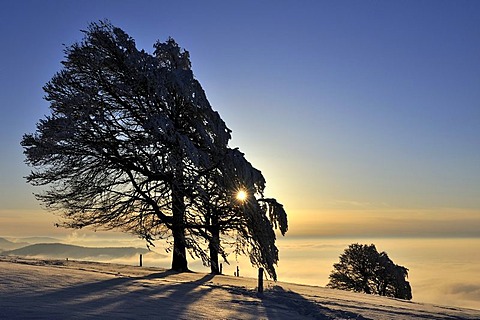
(364, 116)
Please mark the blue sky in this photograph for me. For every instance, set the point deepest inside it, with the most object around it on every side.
(355, 111)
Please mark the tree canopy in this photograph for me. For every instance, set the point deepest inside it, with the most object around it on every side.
(363, 269)
(132, 143)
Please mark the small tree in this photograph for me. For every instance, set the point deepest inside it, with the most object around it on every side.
(363, 269)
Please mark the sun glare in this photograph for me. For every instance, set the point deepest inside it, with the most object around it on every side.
(241, 195)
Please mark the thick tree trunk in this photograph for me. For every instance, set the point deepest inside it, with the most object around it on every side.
(179, 258)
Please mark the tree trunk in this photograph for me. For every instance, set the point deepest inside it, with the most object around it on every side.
(179, 258)
(366, 288)
(214, 246)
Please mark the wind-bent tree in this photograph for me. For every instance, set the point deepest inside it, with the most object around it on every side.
(246, 222)
(128, 135)
(363, 269)
(132, 143)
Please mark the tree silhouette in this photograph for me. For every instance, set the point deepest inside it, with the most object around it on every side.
(130, 142)
(247, 224)
(363, 269)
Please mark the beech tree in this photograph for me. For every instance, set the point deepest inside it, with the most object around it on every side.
(128, 134)
(233, 207)
(131, 143)
(363, 269)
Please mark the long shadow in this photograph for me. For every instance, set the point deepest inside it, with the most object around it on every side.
(113, 298)
(278, 298)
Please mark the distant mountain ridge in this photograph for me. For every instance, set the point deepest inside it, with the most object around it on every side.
(60, 250)
(32, 240)
(10, 245)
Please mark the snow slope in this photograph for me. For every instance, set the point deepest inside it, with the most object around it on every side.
(56, 289)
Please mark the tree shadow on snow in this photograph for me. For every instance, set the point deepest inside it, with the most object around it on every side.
(121, 297)
(155, 296)
(277, 298)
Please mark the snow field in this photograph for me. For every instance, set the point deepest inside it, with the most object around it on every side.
(55, 289)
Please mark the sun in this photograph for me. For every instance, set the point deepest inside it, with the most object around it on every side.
(242, 195)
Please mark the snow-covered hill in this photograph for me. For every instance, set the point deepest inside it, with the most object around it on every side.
(58, 289)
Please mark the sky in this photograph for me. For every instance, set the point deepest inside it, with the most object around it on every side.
(363, 116)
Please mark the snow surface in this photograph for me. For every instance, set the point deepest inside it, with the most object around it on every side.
(60, 289)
